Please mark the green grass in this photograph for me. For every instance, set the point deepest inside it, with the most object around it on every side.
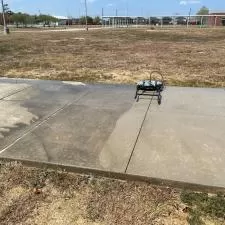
(203, 205)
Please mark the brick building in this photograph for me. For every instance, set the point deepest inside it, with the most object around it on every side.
(216, 19)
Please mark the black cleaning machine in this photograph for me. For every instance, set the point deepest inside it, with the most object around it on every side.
(151, 87)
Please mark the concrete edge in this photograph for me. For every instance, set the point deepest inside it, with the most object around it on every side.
(120, 176)
(99, 83)
(32, 80)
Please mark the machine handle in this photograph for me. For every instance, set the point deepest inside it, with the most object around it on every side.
(158, 72)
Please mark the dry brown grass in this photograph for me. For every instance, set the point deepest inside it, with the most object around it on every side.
(50, 197)
(35, 196)
(186, 57)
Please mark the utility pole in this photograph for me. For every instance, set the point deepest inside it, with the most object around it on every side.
(102, 17)
(127, 13)
(6, 31)
(189, 18)
(85, 2)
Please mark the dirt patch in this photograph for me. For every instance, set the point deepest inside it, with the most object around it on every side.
(185, 57)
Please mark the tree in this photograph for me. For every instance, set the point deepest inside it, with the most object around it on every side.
(31, 20)
(20, 18)
(89, 20)
(83, 20)
(97, 20)
(5, 10)
(203, 11)
(46, 19)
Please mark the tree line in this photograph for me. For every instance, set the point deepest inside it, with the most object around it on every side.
(24, 19)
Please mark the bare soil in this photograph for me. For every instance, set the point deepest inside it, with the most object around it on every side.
(192, 57)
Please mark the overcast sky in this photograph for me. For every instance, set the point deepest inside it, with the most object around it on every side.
(134, 7)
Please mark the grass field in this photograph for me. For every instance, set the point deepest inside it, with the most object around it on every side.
(185, 57)
(40, 196)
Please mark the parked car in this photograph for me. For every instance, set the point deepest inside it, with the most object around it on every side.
(167, 20)
(181, 20)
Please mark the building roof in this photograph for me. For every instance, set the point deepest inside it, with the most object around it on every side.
(61, 17)
(217, 12)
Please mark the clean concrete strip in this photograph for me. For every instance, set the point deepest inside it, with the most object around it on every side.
(42, 121)
(142, 124)
(117, 175)
(183, 139)
(117, 151)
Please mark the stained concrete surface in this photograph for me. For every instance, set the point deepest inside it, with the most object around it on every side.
(9, 89)
(22, 110)
(85, 117)
(102, 127)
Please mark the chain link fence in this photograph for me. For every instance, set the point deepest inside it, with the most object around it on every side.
(201, 21)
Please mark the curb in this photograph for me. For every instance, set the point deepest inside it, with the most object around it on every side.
(120, 176)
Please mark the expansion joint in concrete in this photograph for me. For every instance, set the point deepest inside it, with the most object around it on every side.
(42, 122)
(139, 132)
(11, 94)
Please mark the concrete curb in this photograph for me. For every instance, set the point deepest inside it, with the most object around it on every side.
(120, 176)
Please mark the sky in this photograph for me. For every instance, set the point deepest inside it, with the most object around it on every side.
(75, 8)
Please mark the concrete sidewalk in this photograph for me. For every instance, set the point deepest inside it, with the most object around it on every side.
(102, 127)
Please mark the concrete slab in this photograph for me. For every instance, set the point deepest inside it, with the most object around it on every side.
(10, 89)
(102, 127)
(27, 107)
(183, 139)
(77, 134)
(193, 101)
(116, 152)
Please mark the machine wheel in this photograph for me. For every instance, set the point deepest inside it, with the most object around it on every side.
(137, 98)
(159, 99)
(135, 95)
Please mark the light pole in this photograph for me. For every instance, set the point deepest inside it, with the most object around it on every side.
(189, 18)
(126, 13)
(102, 17)
(3, 17)
(85, 2)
